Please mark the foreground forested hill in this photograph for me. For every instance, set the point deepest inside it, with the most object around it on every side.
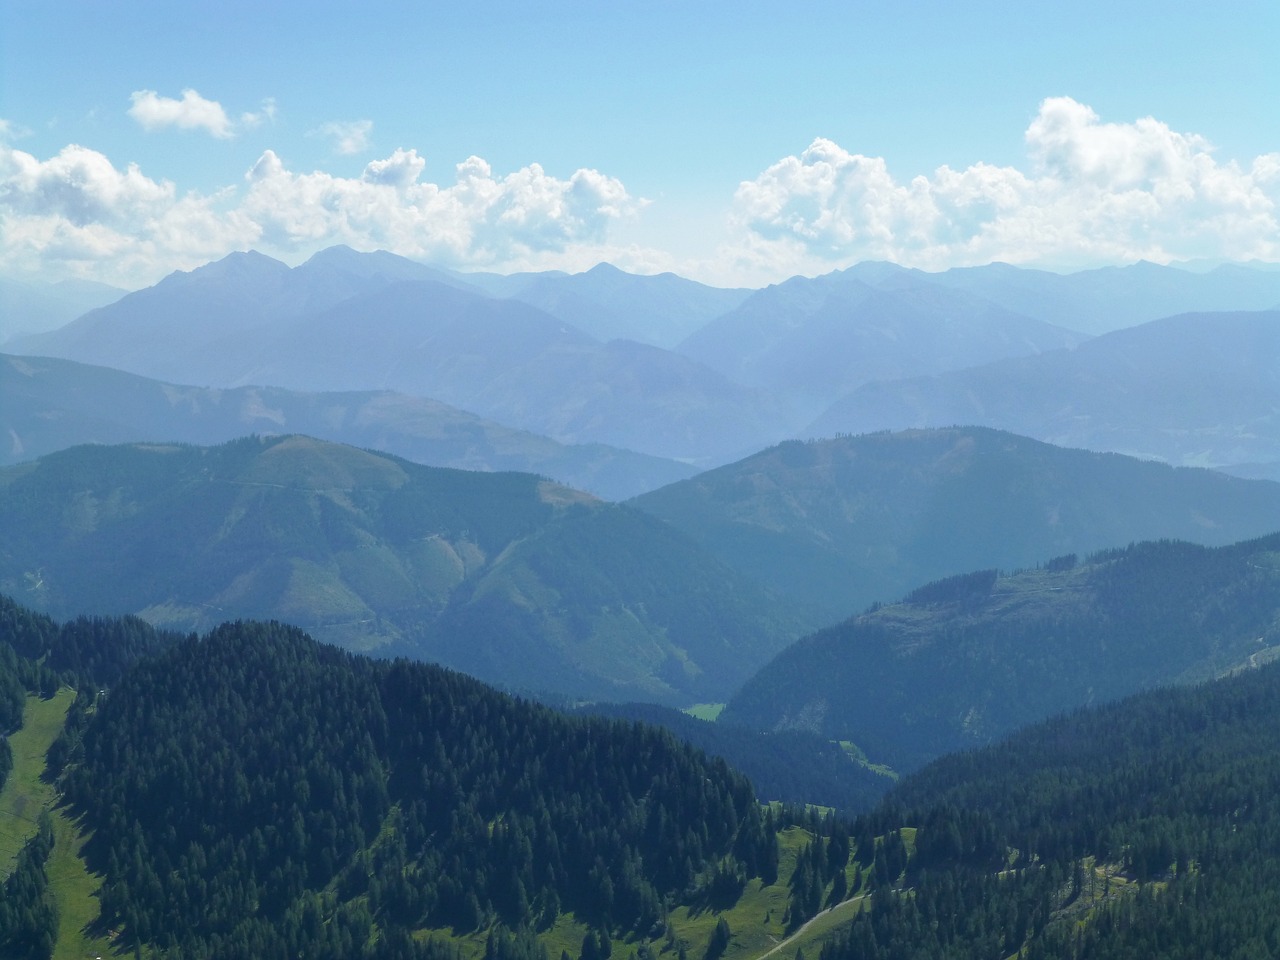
(255, 794)
(967, 660)
(1148, 828)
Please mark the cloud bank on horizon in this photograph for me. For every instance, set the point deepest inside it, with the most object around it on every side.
(1091, 193)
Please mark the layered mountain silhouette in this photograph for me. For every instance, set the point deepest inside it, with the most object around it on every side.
(325, 326)
(48, 404)
(1195, 389)
(813, 340)
(658, 364)
(29, 307)
(611, 304)
(1112, 298)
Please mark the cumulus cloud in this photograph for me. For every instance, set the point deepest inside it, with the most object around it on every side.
(192, 112)
(349, 136)
(1092, 193)
(76, 214)
(480, 219)
(401, 169)
(1089, 192)
(79, 214)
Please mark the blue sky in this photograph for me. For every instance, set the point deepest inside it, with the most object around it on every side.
(736, 143)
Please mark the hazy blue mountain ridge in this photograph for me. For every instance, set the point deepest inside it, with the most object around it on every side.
(1195, 389)
(47, 404)
(1112, 298)
(248, 320)
(813, 340)
(611, 304)
(28, 307)
(527, 350)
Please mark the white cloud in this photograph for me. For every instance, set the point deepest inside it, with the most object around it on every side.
(481, 219)
(401, 169)
(349, 136)
(267, 114)
(10, 131)
(1093, 193)
(192, 112)
(1089, 193)
(77, 214)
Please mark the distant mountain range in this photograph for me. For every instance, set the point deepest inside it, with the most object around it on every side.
(665, 366)
(339, 322)
(610, 304)
(48, 405)
(506, 576)
(28, 307)
(1112, 298)
(811, 341)
(1195, 389)
(839, 524)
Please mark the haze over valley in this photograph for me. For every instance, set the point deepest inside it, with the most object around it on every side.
(691, 483)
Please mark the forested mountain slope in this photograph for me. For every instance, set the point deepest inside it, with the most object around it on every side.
(967, 660)
(843, 523)
(508, 576)
(1147, 828)
(791, 766)
(254, 792)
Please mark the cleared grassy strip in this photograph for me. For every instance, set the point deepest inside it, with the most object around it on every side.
(565, 936)
(25, 794)
(705, 711)
(21, 801)
(74, 889)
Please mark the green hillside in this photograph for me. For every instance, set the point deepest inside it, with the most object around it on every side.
(525, 582)
(969, 659)
(847, 522)
(1147, 828)
(253, 794)
(453, 821)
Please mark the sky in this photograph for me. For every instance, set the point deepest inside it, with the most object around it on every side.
(734, 143)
